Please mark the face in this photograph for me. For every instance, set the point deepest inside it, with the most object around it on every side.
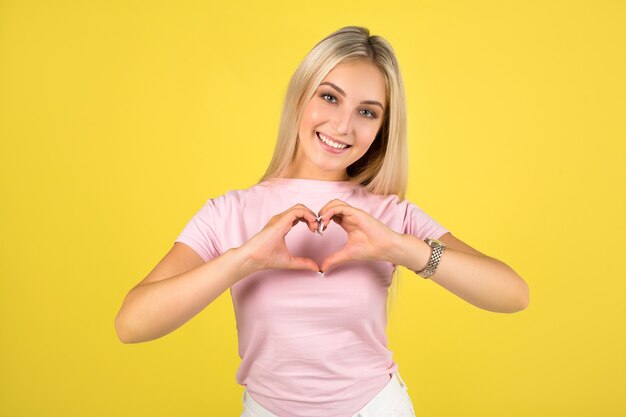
(340, 122)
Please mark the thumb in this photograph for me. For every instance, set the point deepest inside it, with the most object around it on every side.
(335, 259)
(297, 262)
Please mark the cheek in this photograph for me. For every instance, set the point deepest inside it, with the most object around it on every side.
(315, 113)
(307, 115)
(367, 134)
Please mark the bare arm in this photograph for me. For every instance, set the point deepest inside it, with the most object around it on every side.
(182, 284)
(477, 278)
(177, 289)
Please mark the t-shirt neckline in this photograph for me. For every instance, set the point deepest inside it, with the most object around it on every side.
(311, 185)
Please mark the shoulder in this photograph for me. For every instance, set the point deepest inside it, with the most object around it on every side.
(381, 206)
(390, 201)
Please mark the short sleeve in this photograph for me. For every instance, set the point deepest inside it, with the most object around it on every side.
(420, 224)
(200, 233)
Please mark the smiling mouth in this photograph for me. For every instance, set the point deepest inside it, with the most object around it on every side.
(332, 143)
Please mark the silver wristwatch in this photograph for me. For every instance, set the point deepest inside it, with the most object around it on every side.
(435, 256)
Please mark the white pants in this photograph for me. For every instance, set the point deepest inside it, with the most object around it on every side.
(391, 401)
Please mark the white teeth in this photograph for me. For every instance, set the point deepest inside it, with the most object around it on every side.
(330, 142)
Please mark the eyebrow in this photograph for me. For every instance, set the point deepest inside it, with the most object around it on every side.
(343, 93)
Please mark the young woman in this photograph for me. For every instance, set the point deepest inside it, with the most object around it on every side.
(310, 300)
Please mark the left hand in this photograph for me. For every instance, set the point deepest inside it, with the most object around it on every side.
(368, 238)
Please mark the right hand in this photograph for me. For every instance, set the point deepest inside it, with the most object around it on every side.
(268, 250)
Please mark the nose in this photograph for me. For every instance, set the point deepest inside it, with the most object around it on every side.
(342, 121)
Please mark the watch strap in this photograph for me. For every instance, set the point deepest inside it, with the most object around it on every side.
(437, 249)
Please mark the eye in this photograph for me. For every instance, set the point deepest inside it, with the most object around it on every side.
(328, 97)
(368, 113)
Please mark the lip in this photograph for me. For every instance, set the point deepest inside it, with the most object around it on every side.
(330, 148)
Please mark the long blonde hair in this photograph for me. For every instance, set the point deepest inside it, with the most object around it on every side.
(383, 169)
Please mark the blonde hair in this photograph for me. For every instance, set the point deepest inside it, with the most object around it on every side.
(383, 169)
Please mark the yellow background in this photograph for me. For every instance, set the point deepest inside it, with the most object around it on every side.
(118, 119)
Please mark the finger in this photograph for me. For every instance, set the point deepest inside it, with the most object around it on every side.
(310, 218)
(334, 259)
(327, 212)
(330, 204)
(300, 213)
(312, 223)
(297, 262)
(306, 221)
(336, 213)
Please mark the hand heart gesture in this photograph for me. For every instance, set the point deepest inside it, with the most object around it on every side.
(368, 238)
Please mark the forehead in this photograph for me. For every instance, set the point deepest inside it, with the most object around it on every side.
(361, 80)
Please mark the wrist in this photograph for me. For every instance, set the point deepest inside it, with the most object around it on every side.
(437, 249)
(247, 264)
(410, 252)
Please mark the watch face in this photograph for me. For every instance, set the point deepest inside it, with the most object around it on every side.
(435, 242)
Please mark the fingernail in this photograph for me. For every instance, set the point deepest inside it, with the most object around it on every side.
(317, 232)
(318, 218)
(321, 274)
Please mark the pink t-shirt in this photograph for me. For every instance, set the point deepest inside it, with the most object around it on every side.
(309, 346)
